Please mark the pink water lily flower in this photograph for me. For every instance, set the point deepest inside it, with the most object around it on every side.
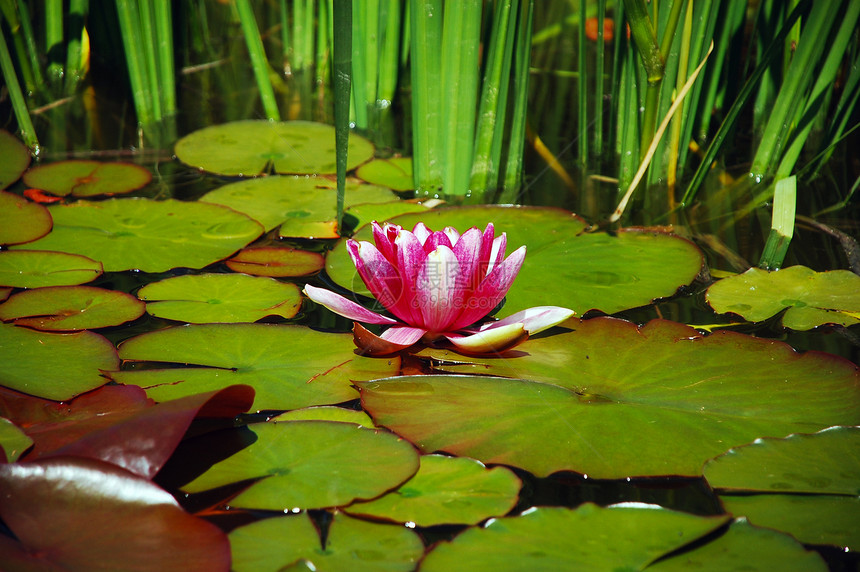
(438, 285)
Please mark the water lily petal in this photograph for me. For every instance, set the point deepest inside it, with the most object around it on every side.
(382, 236)
(436, 239)
(490, 341)
(378, 274)
(410, 260)
(344, 306)
(436, 289)
(452, 233)
(373, 345)
(535, 319)
(500, 244)
(491, 291)
(403, 335)
(468, 253)
(421, 232)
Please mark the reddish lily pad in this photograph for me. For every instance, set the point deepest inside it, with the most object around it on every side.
(446, 490)
(817, 477)
(394, 173)
(71, 513)
(207, 298)
(293, 542)
(809, 298)
(564, 265)
(550, 538)
(276, 261)
(22, 221)
(16, 158)
(4, 293)
(611, 400)
(250, 148)
(83, 178)
(312, 464)
(35, 269)
(288, 366)
(303, 206)
(148, 235)
(63, 308)
(54, 366)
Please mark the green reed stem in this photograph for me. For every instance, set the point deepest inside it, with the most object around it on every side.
(426, 38)
(258, 59)
(19, 104)
(74, 70)
(323, 43)
(54, 40)
(18, 18)
(166, 72)
(599, 67)
(149, 47)
(342, 11)
(517, 139)
(129, 24)
(582, 89)
(782, 225)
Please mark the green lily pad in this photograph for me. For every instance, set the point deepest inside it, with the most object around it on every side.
(745, 547)
(249, 148)
(811, 298)
(148, 235)
(205, 298)
(288, 366)
(312, 464)
(36, 269)
(611, 400)
(281, 543)
(361, 214)
(22, 221)
(16, 158)
(82, 178)
(446, 490)
(276, 261)
(327, 413)
(562, 267)
(54, 366)
(394, 173)
(303, 206)
(824, 468)
(64, 308)
(619, 537)
(13, 441)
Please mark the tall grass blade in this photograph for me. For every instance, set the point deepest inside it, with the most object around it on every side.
(54, 46)
(426, 41)
(522, 51)
(341, 65)
(132, 41)
(19, 105)
(259, 63)
(782, 225)
(74, 56)
(166, 71)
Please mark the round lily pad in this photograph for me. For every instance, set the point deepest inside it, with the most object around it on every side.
(276, 261)
(206, 298)
(361, 214)
(249, 148)
(16, 158)
(293, 542)
(394, 173)
(54, 366)
(312, 464)
(83, 178)
(612, 400)
(21, 220)
(619, 537)
(303, 206)
(563, 265)
(59, 308)
(148, 235)
(446, 490)
(288, 366)
(809, 298)
(327, 413)
(35, 268)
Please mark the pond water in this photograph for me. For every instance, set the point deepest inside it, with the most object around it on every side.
(616, 424)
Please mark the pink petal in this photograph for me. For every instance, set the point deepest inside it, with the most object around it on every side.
(534, 320)
(378, 274)
(344, 306)
(436, 289)
(373, 345)
(436, 239)
(410, 260)
(491, 291)
(468, 253)
(383, 241)
(421, 232)
(500, 244)
(403, 335)
(494, 340)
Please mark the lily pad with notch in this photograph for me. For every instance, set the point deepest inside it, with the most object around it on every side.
(304, 207)
(148, 235)
(809, 298)
(223, 298)
(613, 400)
(85, 178)
(251, 148)
(564, 265)
(288, 366)
(66, 308)
(22, 221)
(311, 464)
